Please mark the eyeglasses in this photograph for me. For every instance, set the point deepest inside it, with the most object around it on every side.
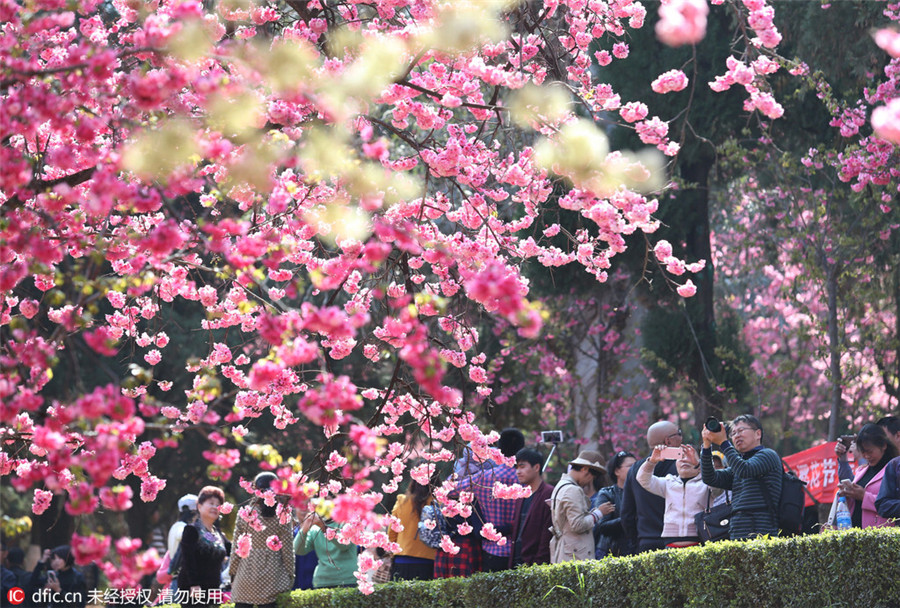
(678, 434)
(741, 429)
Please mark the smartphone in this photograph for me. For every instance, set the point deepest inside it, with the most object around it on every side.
(847, 440)
(671, 453)
(551, 437)
(51, 576)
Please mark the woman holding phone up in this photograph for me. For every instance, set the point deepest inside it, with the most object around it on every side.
(685, 493)
(62, 580)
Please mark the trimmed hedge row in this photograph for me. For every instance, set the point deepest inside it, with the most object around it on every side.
(856, 568)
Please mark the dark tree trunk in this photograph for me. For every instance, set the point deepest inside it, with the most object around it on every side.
(700, 308)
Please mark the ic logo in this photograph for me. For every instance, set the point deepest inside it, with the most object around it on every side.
(16, 596)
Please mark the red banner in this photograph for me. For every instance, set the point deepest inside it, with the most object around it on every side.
(818, 467)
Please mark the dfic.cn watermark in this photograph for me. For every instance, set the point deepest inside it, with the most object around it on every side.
(16, 596)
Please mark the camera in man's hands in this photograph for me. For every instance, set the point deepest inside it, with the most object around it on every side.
(713, 425)
(551, 436)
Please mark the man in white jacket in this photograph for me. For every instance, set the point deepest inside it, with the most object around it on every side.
(685, 494)
(570, 506)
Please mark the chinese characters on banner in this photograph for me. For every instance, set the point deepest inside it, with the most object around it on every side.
(818, 467)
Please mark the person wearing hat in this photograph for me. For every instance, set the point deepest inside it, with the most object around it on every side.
(167, 573)
(572, 516)
(187, 512)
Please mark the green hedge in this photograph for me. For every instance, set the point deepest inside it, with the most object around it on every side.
(853, 569)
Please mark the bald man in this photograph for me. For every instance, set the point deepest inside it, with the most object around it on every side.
(642, 512)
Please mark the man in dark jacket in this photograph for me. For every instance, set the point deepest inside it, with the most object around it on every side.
(642, 512)
(531, 525)
(753, 472)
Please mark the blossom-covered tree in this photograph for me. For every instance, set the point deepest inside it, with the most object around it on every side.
(806, 243)
(326, 187)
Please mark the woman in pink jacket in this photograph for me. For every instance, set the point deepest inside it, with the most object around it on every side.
(873, 445)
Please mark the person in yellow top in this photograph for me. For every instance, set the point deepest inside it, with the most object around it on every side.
(415, 561)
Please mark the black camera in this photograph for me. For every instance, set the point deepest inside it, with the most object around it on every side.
(713, 425)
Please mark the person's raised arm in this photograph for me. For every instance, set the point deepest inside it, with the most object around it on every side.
(645, 475)
(708, 472)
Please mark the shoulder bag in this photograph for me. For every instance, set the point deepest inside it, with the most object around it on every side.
(713, 522)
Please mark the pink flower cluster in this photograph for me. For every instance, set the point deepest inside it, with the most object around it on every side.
(682, 21)
(677, 267)
(667, 82)
(741, 73)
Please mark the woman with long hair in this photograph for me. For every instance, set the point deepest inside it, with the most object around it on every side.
(873, 444)
(609, 533)
(415, 560)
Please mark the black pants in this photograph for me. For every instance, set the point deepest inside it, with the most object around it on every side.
(493, 563)
(423, 571)
(651, 544)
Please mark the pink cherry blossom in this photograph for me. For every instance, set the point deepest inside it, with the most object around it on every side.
(682, 22)
(243, 546)
(273, 543)
(41, 501)
(89, 549)
(886, 121)
(673, 80)
(889, 40)
(687, 290)
(447, 546)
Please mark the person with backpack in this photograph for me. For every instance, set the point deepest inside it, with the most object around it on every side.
(754, 475)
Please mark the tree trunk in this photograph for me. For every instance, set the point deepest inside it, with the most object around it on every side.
(834, 349)
(700, 308)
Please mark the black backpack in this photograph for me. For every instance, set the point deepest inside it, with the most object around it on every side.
(789, 514)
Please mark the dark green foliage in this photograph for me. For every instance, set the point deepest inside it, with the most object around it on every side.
(854, 568)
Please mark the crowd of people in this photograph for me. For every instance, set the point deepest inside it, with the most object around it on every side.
(597, 508)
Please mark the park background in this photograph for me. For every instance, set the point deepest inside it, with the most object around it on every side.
(328, 238)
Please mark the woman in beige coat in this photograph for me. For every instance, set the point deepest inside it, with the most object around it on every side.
(570, 506)
(268, 568)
